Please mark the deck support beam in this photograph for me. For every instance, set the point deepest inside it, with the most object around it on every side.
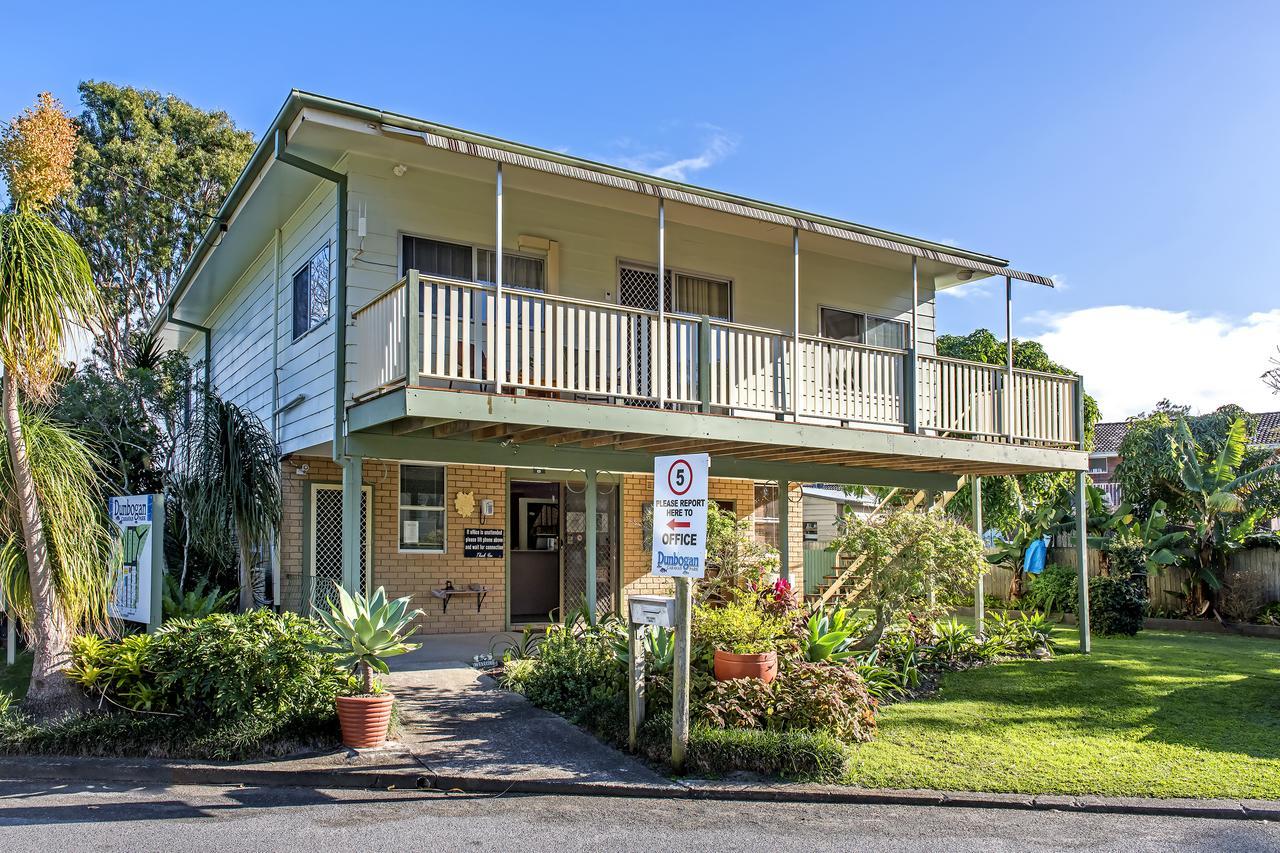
(1008, 358)
(500, 321)
(662, 302)
(979, 593)
(784, 530)
(590, 533)
(1082, 560)
(352, 484)
(793, 387)
(911, 389)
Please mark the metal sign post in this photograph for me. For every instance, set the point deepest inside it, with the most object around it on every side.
(680, 552)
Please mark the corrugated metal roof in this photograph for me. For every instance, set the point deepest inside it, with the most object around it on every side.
(584, 171)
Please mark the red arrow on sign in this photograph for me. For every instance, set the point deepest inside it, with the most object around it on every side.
(673, 524)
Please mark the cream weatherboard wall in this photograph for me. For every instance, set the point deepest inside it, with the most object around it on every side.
(592, 239)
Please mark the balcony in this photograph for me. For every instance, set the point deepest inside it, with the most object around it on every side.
(554, 347)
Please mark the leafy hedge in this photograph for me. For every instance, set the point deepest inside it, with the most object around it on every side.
(224, 686)
(797, 754)
(1117, 604)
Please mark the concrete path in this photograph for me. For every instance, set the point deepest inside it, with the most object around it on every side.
(460, 725)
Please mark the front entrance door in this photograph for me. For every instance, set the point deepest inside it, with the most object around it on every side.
(575, 541)
(325, 569)
(535, 538)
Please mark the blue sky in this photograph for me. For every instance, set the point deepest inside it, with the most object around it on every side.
(1127, 148)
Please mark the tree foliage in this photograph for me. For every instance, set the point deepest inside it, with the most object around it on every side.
(131, 420)
(151, 171)
(1005, 500)
(1148, 472)
(907, 554)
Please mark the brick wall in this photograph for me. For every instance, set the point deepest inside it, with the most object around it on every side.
(417, 574)
(412, 574)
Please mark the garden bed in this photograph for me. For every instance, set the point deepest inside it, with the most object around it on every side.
(1206, 626)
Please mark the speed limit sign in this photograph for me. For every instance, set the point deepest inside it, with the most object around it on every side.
(680, 515)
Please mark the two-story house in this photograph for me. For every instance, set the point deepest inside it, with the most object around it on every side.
(470, 350)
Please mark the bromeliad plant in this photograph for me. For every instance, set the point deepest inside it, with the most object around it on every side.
(368, 630)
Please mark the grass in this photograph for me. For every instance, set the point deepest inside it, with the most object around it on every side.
(1163, 714)
(14, 679)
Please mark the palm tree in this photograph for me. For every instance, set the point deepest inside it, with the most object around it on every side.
(1216, 493)
(45, 288)
(231, 482)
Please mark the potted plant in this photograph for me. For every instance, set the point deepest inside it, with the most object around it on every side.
(745, 639)
(368, 631)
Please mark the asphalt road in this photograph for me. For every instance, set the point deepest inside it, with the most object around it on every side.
(46, 818)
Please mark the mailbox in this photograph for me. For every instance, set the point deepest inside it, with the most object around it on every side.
(654, 610)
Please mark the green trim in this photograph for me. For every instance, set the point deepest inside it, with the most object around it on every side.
(563, 414)
(462, 452)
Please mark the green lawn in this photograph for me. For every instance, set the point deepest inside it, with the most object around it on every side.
(1162, 714)
(13, 679)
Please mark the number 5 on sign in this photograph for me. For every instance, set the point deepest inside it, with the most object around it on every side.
(680, 515)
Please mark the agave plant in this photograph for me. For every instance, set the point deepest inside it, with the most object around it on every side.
(829, 635)
(368, 630)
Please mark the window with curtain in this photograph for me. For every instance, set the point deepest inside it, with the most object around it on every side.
(685, 293)
(858, 328)
(765, 516)
(311, 293)
(436, 257)
(517, 270)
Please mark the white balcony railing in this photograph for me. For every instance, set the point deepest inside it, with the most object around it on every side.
(555, 344)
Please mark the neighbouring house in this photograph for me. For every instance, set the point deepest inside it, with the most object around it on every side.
(470, 351)
(824, 507)
(1107, 437)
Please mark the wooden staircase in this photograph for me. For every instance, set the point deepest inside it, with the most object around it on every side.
(847, 565)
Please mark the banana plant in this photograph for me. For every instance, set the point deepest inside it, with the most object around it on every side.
(1216, 491)
(1156, 544)
(1045, 520)
(367, 631)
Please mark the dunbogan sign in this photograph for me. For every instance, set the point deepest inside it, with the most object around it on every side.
(680, 515)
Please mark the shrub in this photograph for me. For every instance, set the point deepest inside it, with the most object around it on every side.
(953, 643)
(738, 627)
(793, 754)
(1027, 634)
(515, 674)
(817, 697)
(1055, 590)
(221, 667)
(578, 676)
(1117, 604)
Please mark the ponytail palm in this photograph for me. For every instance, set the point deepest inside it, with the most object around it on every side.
(45, 287)
(232, 482)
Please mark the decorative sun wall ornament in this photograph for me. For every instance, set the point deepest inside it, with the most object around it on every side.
(465, 503)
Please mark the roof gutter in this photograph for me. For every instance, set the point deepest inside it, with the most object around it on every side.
(340, 326)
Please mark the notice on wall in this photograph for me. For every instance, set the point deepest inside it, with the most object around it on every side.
(482, 543)
(138, 522)
(680, 515)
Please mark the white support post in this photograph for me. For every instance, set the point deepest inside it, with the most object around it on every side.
(979, 592)
(662, 302)
(499, 321)
(912, 389)
(793, 389)
(784, 530)
(635, 683)
(1008, 355)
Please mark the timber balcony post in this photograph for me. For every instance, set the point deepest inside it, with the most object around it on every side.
(412, 326)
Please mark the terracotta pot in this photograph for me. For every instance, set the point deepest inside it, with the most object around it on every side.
(364, 720)
(730, 666)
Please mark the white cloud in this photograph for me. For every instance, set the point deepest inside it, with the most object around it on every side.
(717, 145)
(1131, 357)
